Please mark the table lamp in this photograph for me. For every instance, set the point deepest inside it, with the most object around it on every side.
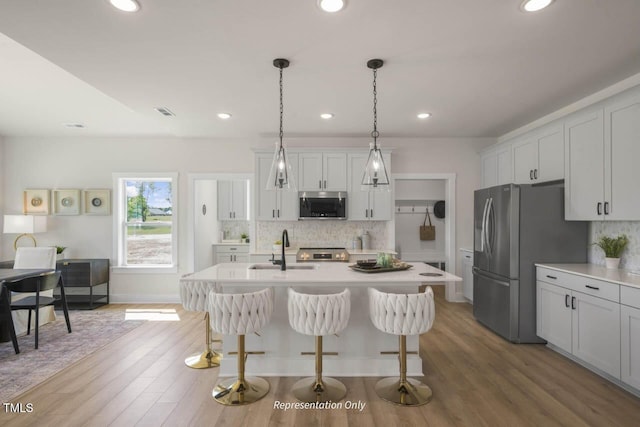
(25, 226)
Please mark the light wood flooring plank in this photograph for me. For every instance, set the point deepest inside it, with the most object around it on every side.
(478, 379)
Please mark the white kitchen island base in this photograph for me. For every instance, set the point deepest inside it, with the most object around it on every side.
(362, 350)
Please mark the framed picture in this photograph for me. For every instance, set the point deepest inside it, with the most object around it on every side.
(66, 202)
(97, 202)
(36, 202)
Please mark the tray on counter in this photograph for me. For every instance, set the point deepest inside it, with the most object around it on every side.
(380, 269)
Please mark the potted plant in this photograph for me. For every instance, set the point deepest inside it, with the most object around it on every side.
(277, 245)
(60, 252)
(613, 248)
(243, 237)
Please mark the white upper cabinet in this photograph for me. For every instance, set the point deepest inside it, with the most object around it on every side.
(584, 166)
(621, 171)
(274, 205)
(601, 152)
(496, 166)
(363, 204)
(232, 200)
(539, 156)
(323, 171)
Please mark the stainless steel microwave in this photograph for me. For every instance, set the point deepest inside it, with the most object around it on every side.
(323, 204)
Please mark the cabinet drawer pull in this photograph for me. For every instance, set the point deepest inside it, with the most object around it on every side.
(535, 174)
(531, 174)
(606, 208)
(371, 210)
(278, 212)
(592, 287)
(599, 208)
(273, 213)
(320, 184)
(325, 184)
(552, 277)
(566, 300)
(468, 256)
(573, 303)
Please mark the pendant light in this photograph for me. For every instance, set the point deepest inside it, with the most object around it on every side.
(375, 173)
(280, 174)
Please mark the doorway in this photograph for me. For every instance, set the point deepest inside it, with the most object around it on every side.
(413, 195)
(204, 227)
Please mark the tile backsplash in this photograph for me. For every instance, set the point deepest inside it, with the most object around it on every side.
(320, 233)
(630, 258)
(233, 229)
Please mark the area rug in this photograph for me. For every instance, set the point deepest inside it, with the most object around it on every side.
(58, 349)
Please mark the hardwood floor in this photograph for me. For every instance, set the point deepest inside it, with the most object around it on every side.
(478, 379)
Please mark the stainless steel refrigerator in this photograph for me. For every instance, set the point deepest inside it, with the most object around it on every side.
(516, 226)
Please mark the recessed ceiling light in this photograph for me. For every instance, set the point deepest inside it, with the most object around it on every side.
(125, 5)
(224, 116)
(331, 5)
(535, 5)
(73, 125)
(326, 116)
(424, 115)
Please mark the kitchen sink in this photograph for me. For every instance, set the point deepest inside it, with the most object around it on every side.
(277, 267)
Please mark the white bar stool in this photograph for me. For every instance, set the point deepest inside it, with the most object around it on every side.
(194, 294)
(240, 314)
(319, 315)
(402, 314)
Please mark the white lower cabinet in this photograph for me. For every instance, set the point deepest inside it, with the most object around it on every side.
(630, 335)
(585, 325)
(230, 253)
(466, 261)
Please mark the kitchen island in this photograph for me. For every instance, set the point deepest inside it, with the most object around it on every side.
(362, 350)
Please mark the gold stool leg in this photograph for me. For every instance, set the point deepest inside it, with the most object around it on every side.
(319, 389)
(208, 358)
(403, 391)
(241, 390)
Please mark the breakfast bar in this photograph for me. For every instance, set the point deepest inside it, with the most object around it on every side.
(360, 350)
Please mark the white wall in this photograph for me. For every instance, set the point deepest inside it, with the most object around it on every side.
(33, 162)
(206, 222)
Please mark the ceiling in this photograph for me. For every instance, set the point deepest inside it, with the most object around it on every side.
(482, 68)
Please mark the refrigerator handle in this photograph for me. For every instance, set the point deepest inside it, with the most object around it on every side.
(477, 272)
(483, 231)
(487, 234)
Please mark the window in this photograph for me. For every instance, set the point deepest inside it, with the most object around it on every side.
(146, 220)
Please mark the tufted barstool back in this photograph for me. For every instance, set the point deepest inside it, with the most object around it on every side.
(194, 294)
(402, 314)
(319, 314)
(240, 314)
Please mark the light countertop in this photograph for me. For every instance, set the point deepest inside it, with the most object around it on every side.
(351, 251)
(334, 273)
(593, 271)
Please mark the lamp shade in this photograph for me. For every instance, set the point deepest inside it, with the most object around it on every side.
(24, 224)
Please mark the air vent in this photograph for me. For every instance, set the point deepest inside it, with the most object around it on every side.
(164, 111)
(73, 125)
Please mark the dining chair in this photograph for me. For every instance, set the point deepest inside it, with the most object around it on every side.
(33, 257)
(37, 285)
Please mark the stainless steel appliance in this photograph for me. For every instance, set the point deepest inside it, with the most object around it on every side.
(322, 254)
(323, 204)
(516, 226)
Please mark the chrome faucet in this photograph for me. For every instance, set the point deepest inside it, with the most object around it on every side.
(285, 243)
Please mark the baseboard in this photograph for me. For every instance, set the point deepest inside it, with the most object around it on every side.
(144, 299)
(595, 370)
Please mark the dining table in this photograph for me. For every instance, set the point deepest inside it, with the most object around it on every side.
(8, 275)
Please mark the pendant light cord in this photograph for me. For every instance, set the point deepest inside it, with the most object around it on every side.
(281, 108)
(375, 132)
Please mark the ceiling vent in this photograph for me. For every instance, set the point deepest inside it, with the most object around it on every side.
(164, 111)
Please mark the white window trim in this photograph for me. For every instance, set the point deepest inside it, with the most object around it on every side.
(119, 216)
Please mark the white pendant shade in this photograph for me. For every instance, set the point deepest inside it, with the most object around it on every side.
(375, 176)
(281, 173)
